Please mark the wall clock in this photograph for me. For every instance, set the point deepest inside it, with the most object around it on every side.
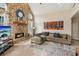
(19, 13)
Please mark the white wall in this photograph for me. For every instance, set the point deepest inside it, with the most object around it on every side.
(39, 24)
(59, 16)
(75, 28)
(74, 10)
(65, 16)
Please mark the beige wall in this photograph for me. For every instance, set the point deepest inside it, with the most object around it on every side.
(62, 15)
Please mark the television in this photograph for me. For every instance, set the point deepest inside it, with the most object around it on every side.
(5, 32)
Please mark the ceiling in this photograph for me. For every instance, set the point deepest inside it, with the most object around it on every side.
(76, 15)
(44, 8)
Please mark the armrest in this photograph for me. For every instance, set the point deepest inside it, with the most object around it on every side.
(69, 38)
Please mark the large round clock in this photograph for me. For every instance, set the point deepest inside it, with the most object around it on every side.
(19, 13)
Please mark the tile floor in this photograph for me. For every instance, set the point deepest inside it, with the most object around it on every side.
(19, 48)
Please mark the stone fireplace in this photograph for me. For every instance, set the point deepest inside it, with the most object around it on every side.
(19, 31)
(19, 28)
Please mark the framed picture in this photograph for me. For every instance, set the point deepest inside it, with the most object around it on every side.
(56, 25)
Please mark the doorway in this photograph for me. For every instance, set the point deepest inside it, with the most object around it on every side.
(75, 26)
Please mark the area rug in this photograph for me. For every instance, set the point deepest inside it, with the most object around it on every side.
(46, 49)
(53, 49)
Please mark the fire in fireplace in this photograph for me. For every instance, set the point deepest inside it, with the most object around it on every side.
(19, 35)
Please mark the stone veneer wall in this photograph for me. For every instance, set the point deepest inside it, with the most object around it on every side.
(12, 7)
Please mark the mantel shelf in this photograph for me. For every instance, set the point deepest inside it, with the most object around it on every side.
(20, 22)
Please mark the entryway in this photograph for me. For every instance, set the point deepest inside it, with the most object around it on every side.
(75, 26)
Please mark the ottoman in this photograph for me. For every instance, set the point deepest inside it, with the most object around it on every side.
(36, 40)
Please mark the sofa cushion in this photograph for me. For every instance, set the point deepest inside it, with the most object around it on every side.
(57, 35)
(43, 33)
(46, 33)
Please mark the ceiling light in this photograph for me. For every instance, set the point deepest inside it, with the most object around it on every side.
(40, 3)
(60, 4)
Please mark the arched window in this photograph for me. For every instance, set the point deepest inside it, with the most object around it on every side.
(3, 14)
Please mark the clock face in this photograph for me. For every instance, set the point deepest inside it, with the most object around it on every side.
(20, 14)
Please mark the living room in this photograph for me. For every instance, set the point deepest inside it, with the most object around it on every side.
(37, 27)
(51, 13)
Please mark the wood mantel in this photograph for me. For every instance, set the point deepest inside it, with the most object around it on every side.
(20, 22)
